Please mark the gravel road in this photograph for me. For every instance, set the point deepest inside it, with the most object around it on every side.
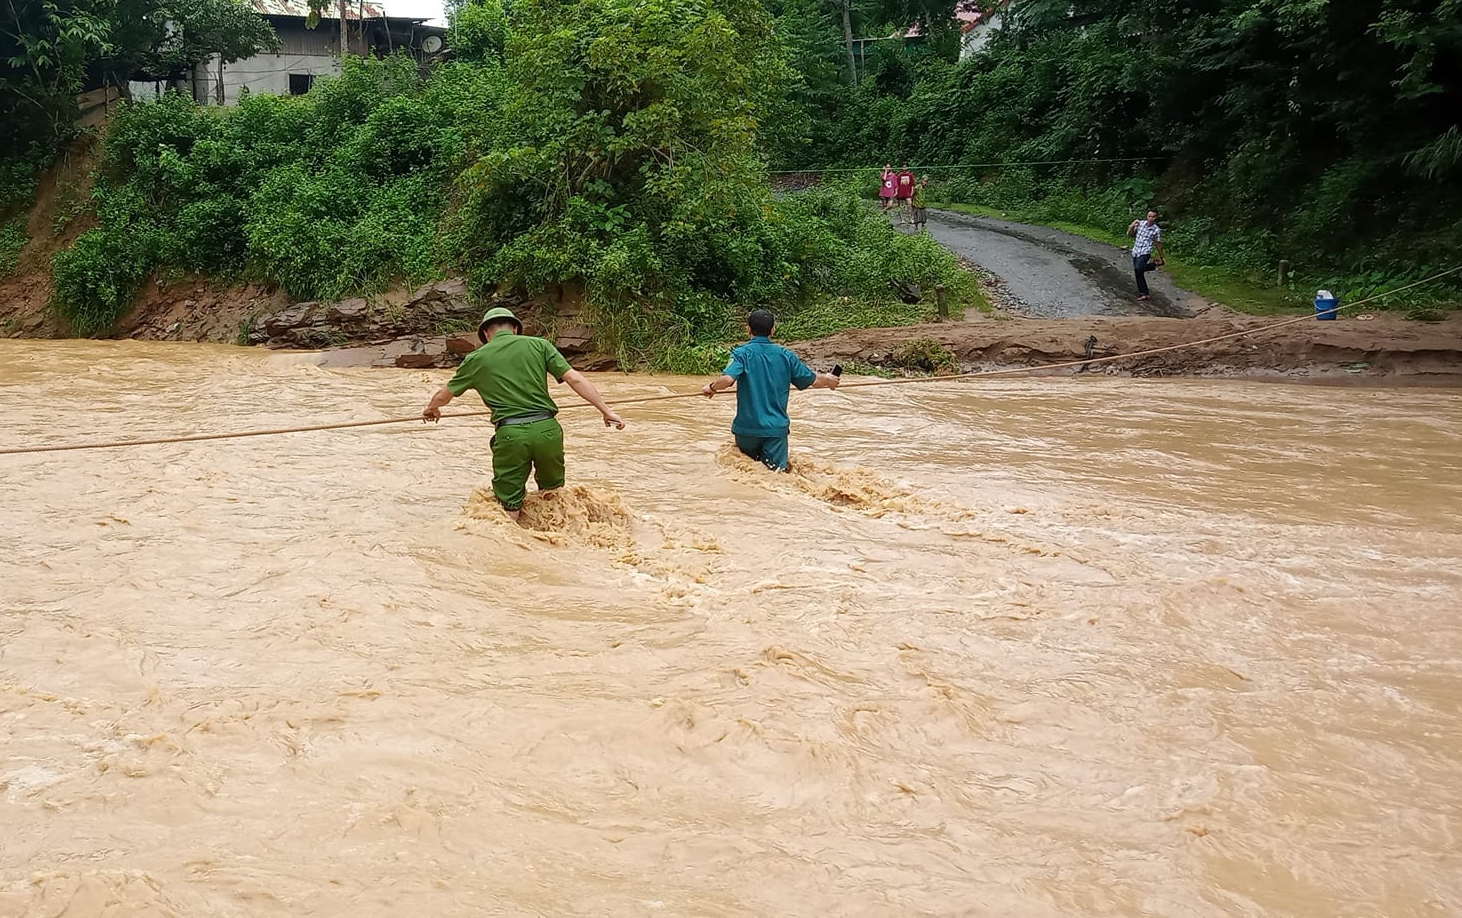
(1053, 275)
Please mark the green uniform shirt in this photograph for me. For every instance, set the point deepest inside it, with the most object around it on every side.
(511, 372)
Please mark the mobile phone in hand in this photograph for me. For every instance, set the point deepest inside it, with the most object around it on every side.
(837, 369)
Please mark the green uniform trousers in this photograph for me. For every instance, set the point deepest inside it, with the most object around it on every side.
(516, 449)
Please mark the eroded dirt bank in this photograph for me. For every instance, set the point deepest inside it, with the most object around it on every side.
(1376, 346)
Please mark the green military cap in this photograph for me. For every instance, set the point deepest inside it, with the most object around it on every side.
(494, 314)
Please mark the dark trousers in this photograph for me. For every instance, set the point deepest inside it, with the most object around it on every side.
(1141, 264)
(769, 451)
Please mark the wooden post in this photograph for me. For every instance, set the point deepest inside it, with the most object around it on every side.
(941, 298)
(1283, 272)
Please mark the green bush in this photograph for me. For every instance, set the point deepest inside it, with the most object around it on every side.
(331, 194)
(13, 238)
(96, 278)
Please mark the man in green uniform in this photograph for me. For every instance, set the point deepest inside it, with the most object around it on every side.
(763, 374)
(510, 371)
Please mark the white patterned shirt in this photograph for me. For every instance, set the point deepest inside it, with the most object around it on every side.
(1147, 234)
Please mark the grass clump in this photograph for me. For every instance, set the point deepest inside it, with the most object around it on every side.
(859, 368)
(925, 355)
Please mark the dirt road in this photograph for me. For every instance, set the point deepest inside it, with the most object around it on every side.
(1055, 275)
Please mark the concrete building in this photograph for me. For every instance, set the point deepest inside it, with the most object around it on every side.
(304, 53)
(977, 24)
(977, 21)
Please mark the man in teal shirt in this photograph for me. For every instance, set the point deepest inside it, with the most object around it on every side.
(763, 374)
(510, 371)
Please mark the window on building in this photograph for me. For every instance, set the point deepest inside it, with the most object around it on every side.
(300, 83)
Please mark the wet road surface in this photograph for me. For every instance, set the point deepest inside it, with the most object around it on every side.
(1056, 275)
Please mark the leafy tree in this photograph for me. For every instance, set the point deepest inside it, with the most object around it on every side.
(1320, 131)
(635, 132)
(479, 30)
(169, 36)
(46, 46)
(44, 49)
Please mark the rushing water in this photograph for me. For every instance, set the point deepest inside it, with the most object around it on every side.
(1018, 648)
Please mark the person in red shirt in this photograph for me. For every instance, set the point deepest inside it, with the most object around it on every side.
(887, 185)
(905, 192)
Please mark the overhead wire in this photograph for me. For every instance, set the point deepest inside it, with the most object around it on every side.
(984, 165)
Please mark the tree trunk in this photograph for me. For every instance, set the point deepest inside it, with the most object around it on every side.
(344, 35)
(848, 40)
(218, 90)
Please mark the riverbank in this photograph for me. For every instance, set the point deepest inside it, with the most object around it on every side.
(432, 325)
(1374, 346)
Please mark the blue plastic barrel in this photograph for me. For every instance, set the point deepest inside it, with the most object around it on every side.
(1325, 307)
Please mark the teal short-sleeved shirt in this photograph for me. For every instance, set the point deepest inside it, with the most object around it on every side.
(764, 374)
(511, 373)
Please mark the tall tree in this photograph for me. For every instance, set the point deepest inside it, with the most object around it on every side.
(635, 124)
(44, 49)
(167, 36)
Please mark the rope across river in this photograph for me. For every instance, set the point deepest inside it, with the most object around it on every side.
(982, 374)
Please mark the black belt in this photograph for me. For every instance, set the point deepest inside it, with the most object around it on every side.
(523, 419)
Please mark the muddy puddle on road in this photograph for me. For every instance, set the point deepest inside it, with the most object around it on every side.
(1037, 648)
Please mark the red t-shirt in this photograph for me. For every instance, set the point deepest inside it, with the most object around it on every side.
(888, 184)
(906, 184)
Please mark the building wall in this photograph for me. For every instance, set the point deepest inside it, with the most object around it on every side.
(975, 40)
(312, 51)
(267, 74)
(324, 38)
(146, 91)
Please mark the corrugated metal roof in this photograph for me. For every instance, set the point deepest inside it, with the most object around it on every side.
(331, 10)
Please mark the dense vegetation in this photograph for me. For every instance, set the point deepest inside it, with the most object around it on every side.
(49, 48)
(613, 146)
(621, 148)
(1324, 132)
(52, 49)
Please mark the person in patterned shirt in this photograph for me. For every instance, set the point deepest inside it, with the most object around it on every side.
(1146, 235)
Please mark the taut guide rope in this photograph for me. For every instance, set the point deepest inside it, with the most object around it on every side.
(343, 425)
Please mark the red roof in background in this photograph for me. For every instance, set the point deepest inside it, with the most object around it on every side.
(968, 13)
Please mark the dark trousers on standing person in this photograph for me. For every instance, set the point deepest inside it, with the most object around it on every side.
(1141, 264)
(769, 451)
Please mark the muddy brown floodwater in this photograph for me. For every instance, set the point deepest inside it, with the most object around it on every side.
(1037, 648)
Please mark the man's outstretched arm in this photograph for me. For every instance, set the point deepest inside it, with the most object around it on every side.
(710, 389)
(433, 410)
(590, 393)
